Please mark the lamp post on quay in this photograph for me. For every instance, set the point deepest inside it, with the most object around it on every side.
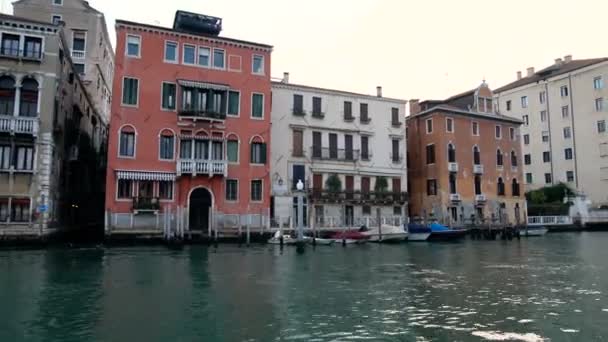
(300, 216)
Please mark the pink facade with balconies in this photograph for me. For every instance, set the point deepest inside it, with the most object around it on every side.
(190, 127)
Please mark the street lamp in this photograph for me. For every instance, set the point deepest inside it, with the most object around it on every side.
(300, 197)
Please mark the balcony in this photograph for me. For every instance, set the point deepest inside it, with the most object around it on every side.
(25, 55)
(298, 112)
(478, 169)
(146, 204)
(202, 167)
(201, 113)
(18, 125)
(453, 167)
(480, 199)
(318, 115)
(455, 198)
(396, 158)
(349, 118)
(366, 156)
(397, 124)
(358, 197)
(324, 153)
(365, 120)
(78, 54)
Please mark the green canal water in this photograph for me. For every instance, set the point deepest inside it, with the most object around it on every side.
(537, 289)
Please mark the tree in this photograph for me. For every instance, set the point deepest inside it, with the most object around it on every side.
(381, 184)
(333, 183)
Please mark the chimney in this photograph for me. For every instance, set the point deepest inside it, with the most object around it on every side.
(379, 91)
(558, 61)
(519, 75)
(285, 77)
(414, 106)
(567, 58)
(530, 71)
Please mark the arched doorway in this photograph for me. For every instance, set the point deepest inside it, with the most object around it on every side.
(201, 202)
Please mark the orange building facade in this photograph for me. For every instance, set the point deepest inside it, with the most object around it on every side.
(190, 126)
(464, 161)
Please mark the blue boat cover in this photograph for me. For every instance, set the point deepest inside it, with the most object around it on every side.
(436, 227)
(414, 228)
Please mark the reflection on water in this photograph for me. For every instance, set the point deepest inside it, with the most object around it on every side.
(550, 288)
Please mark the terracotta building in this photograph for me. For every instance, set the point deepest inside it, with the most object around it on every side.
(464, 161)
(190, 127)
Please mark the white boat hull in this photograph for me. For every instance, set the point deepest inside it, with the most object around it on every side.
(349, 241)
(535, 232)
(418, 236)
(388, 234)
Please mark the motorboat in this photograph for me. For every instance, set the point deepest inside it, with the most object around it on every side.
(418, 232)
(442, 233)
(287, 239)
(385, 233)
(349, 237)
(534, 231)
(321, 242)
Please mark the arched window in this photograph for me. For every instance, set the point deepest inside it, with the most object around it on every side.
(451, 154)
(513, 159)
(476, 156)
(515, 188)
(29, 98)
(166, 141)
(501, 187)
(7, 95)
(477, 185)
(499, 161)
(232, 148)
(258, 150)
(127, 142)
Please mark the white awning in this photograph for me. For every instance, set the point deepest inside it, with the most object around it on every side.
(145, 175)
(203, 85)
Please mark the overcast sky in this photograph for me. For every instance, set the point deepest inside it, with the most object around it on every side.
(414, 49)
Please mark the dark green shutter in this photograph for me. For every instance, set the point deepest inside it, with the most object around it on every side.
(263, 146)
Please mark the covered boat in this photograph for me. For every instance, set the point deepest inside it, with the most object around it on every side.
(349, 237)
(442, 233)
(387, 233)
(418, 232)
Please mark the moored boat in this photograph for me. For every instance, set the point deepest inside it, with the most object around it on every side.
(349, 237)
(418, 232)
(442, 233)
(534, 231)
(387, 233)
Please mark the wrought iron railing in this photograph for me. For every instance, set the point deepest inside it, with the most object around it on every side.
(372, 197)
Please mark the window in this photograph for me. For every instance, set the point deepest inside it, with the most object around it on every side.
(475, 128)
(257, 106)
(513, 159)
(23, 158)
(452, 179)
(219, 58)
(567, 133)
(565, 112)
(395, 117)
(524, 102)
(298, 173)
(298, 104)
(366, 210)
(166, 146)
(569, 176)
(429, 126)
(548, 178)
(449, 125)
(232, 150)
(599, 104)
(133, 46)
(397, 211)
(568, 154)
(5, 157)
(130, 91)
(256, 190)
(257, 64)
(498, 132)
(79, 68)
(601, 126)
(127, 143)
(512, 133)
(7, 95)
(348, 111)
(476, 156)
(56, 19)
(10, 44)
(78, 41)
(316, 106)
(499, 160)
(124, 188)
(509, 105)
(528, 159)
(543, 116)
(500, 187)
(204, 56)
(477, 185)
(32, 47)
(165, 190)
(258, 153)
(542, 97)
(363, 113)
(529, 178)
(563, 91)
(545, 136)
(451, 154)
(232, 190)
(396, 155)
(189, 54)
(546, 157)
(234, 103)
(170, 52)
(515, 188)
(526, 139)
(298, 143)
(365, 148)
(169, 93)
(526, 120)
(431, 187)
(598, 83)
(29, 98)
(430, 154)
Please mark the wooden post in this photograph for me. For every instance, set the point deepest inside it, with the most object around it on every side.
(378, 215)
(249, 230)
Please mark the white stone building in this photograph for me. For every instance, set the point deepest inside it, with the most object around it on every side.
(564, 135)
(322, 134)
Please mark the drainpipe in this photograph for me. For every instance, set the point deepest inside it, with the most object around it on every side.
(550, 135)
(574, 154)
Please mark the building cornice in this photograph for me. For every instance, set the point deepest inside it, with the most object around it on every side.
(452, 110)
(335, 129)
(335, 92)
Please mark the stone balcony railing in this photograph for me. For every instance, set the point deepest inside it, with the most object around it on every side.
(202, 167)
(18, 125)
